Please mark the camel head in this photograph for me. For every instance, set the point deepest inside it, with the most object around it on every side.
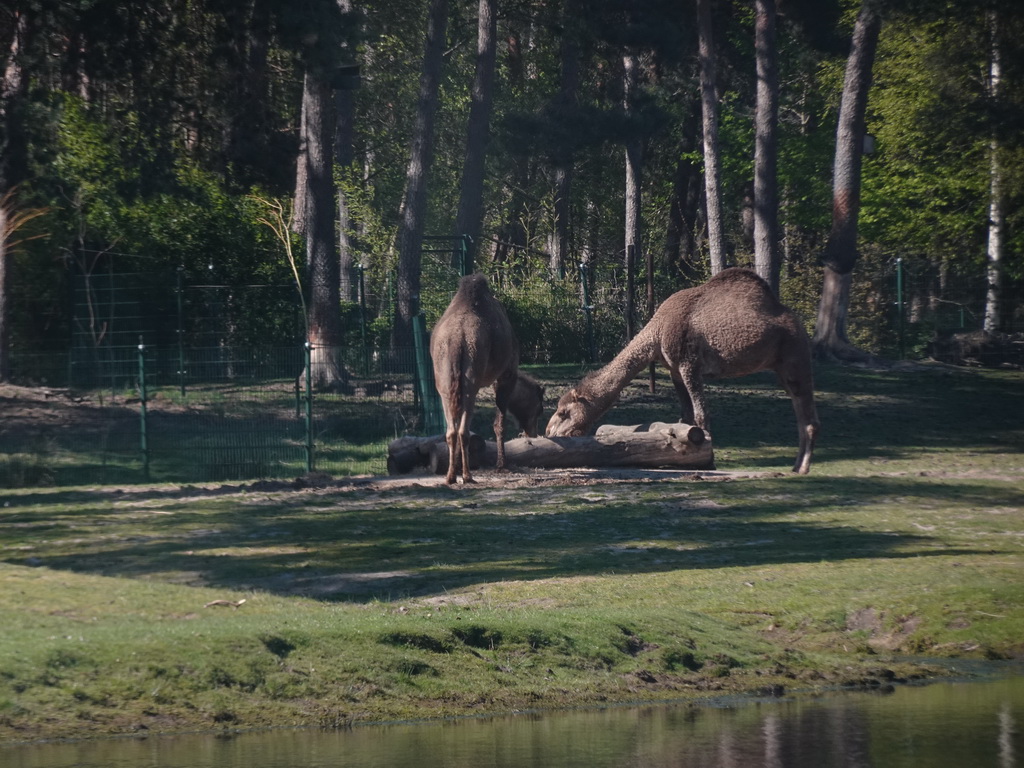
(573, 416)
(530, 420)
(527, 404)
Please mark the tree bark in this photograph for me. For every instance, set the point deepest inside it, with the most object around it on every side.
(13, 97)
(14, 84)
(634, 171)
(712, 158)
(300, 218)
(651, 446)
(767, 260)
(568, 90)
(324, 309)
(830, 339)
(5, 329)
(469, 219)
(347, 286)
(344, 157)
(410, 234)
(680, 236)
(997, 196)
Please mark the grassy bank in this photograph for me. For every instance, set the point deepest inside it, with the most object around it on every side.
(122, 607)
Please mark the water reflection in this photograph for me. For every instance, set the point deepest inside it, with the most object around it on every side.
(938, 726)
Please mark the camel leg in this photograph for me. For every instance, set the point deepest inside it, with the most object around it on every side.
(451, 437)
(499, 436)
(801, 392)
(693, 383)
(464, 425)
(685, 403)
(502, 394)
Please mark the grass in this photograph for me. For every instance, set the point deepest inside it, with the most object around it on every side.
(373, 603)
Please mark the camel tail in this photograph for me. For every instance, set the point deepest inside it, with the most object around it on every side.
(455, 391)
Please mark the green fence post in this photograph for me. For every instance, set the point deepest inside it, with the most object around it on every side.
(309, 407)
(433, 421)
(899, 299)
(465, 255)
(361, 272)
(143, 437)
(181, 331)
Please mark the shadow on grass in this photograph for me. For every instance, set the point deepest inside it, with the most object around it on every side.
(428, 540)
(864, 413)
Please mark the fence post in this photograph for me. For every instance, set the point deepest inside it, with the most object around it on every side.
(143, 436)
(309, 406)
(181, 330)
(465, 255)
(361, 273)
(433, 422)
(588, 310)
(899, 299)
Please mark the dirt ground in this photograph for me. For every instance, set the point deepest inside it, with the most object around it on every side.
(28, 413)
(35, 415)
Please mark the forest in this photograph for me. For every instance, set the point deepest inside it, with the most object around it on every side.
(348, 157)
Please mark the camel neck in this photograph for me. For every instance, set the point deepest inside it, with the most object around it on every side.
(627, 364)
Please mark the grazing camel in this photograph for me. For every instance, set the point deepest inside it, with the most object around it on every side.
(731, 326)
(527, 403)
(473, 346)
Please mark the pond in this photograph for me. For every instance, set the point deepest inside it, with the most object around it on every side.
(941, 725)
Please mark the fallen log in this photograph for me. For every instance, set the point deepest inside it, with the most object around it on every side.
(409, 453)
(649, 446)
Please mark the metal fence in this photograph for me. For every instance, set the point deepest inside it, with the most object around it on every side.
(181, 377)
(232, 414)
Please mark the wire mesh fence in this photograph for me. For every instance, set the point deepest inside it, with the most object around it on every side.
(231, 414)
(172, 376)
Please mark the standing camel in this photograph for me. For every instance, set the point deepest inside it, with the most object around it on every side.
(731, 326)
(473, 346)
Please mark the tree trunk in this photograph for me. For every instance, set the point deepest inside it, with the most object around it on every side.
(680, 236)
(301, 215)
(410, 233)
(712, 158)
(997, 196)
(13, 162)
(766, 189)
(469, 220)
(634, 161)
(246, 130)
(558, 243)
(324, 310)
(5, 329)
(569, 83)
(13, 98)
(840, 254)
(345, 157)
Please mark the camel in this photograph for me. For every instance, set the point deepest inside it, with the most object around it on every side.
(473, 346)
(527, 404)
(732, 325)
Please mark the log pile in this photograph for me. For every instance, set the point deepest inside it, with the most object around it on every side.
(647, 446)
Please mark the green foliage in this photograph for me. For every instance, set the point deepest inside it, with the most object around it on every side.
(926, 189)
(146, 137)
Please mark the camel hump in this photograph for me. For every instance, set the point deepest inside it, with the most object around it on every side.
(738, 276)
(474, 289)
(738, 282)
